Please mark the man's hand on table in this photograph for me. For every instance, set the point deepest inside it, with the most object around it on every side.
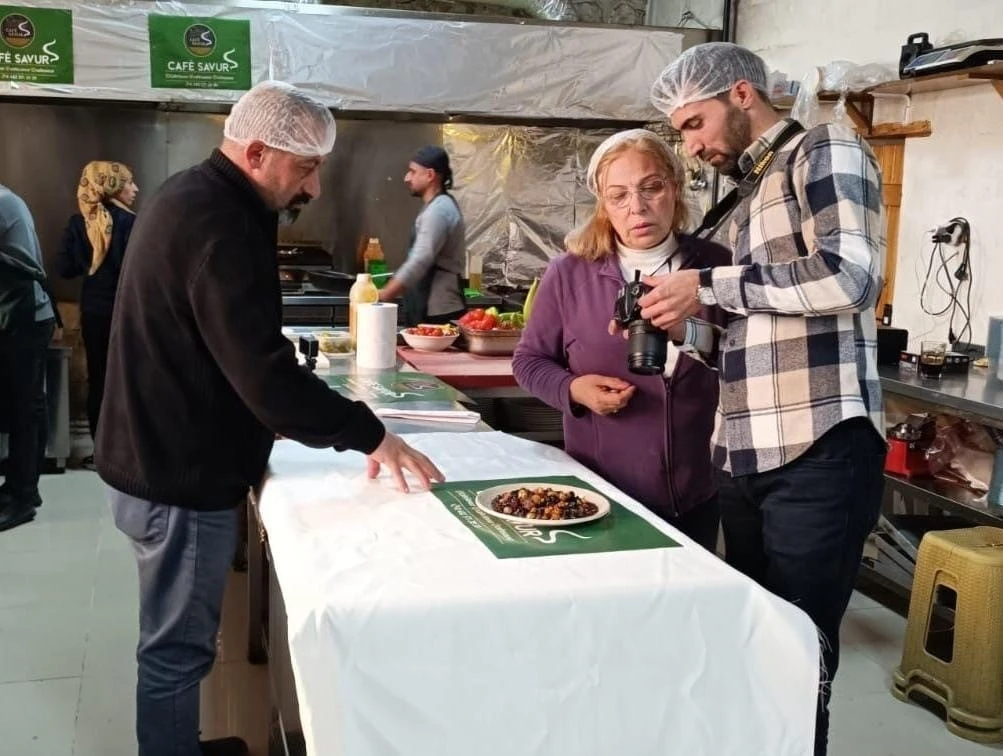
(398, 457)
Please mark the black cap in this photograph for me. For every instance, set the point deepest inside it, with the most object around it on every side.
(436, 158)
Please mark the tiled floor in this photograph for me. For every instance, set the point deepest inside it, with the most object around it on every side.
(68, 631)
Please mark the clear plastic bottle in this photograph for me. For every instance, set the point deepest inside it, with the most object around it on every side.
(362, 292)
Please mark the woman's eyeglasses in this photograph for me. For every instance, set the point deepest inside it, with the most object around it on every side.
(649, 191)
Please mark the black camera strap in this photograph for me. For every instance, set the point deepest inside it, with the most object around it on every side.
(747, 185)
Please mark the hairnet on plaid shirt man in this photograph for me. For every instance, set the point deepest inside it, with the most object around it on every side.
(800, 426)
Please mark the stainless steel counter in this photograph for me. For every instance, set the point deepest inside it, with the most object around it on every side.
(315, 300)
(979, 395)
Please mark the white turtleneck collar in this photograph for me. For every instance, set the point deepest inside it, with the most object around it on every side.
(648, 261)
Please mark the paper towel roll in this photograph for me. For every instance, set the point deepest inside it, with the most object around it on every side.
(376, 336)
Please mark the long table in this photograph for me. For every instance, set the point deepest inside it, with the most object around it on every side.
(394, 629)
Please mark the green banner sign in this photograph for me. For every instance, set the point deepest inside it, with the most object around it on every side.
(36, 45)
(199, 53)
(620, 530)
(392, 388)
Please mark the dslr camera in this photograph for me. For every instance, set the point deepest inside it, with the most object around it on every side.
(647, 346)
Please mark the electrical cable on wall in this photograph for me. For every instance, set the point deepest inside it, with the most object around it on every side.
(956, 233)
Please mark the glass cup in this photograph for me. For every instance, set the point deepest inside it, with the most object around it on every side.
(474, 270)
(932, 356)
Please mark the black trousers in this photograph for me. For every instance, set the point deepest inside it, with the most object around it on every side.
(23, 352)
(799, 531)
(96, 330)
(701, 523)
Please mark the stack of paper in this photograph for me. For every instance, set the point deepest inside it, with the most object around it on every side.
(461, 417)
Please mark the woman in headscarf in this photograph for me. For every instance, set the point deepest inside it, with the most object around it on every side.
(94, 246)
(649, 435)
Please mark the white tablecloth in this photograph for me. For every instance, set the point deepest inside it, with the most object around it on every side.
(408, 637)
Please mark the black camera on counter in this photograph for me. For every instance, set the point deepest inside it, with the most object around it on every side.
(647, 346)
(309, 347)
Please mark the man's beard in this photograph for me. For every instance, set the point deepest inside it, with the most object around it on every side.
(291, 212)
(738, 138)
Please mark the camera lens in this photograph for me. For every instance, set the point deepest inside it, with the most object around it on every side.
(647, 348)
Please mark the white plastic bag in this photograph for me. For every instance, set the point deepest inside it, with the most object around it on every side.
(838, 76)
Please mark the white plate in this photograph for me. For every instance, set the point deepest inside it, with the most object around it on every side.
(484, 499)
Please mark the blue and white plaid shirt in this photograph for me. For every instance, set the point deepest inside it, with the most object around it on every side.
(799, 355)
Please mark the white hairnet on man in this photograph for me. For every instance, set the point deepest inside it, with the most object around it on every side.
(198, 326)
(283, 118)
(706, 71)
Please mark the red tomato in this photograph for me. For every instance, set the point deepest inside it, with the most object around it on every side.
(472, 316)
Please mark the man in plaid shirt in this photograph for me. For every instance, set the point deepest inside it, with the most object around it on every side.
(800, 425)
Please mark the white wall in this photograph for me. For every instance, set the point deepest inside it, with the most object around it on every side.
(705, 14)
(957, 171)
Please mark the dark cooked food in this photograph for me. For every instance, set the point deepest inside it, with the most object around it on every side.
(543, 504)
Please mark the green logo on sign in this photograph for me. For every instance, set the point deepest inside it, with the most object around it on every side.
(17, 31)
(200, 40)
(199, 53)
(37, 45)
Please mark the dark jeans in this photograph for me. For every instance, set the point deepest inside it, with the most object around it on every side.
(701, 523)
(96, 330)
(183, 558)
(799, 531)
(23, 353)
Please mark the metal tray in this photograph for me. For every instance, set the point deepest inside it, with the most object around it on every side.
(493, 343)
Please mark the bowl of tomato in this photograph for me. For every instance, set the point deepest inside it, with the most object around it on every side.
(488, 332)
(430, 338)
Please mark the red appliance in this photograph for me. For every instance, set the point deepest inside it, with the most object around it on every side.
(906, 452)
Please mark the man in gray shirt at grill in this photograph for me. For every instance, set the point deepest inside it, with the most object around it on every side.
(27, 322)
(430, 279)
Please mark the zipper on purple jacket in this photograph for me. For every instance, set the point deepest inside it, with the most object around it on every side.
(670, 446)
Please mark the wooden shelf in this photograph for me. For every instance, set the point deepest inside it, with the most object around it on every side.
(967, 77)
(860, 105)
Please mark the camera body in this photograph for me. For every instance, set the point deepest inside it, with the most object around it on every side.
(647, 346)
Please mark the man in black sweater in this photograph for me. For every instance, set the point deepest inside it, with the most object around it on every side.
(199, 381)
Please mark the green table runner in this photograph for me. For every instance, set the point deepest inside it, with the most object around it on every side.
(620, 530)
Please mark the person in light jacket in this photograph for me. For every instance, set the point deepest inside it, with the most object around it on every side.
(647, 435)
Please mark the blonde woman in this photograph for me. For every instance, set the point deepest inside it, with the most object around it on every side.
(94, 245)
(647, 435)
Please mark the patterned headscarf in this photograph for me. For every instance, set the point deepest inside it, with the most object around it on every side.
(99, 183)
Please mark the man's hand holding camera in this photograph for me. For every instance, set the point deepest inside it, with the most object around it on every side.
(672, 298)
